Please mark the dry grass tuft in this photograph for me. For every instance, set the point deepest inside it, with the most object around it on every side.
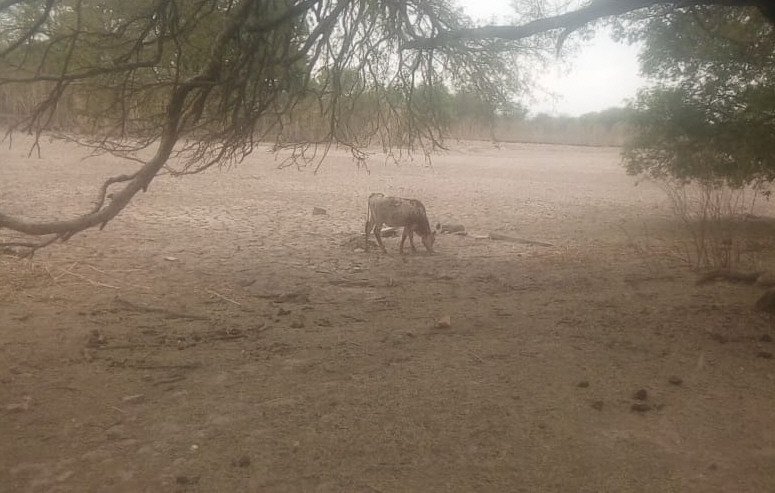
(17, 275)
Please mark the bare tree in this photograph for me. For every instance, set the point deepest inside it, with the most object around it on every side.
(203, 81)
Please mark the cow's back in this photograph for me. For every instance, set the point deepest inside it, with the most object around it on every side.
(399, 212)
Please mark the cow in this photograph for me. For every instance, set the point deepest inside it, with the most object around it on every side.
(399, 213)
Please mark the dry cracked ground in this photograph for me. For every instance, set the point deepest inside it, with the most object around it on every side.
(218, 336)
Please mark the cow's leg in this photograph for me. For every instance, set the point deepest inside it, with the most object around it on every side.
(411, 240)
(368, 230)
(377, 229)
(403, 239)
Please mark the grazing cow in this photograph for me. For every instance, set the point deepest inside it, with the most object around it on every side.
(398, 213)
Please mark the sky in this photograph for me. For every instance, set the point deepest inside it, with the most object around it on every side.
(602, 74)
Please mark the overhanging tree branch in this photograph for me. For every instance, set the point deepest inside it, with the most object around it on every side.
(570, 21)
(204, 81)
(139, 180)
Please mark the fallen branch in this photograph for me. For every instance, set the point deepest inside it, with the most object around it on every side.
(219, 295)
(123, 282)
(128, 305)
(729, 275)
(186, 366)
(32, 247)
(90, 281)
(64, 271)
(575, 19)
(476, 356)
(500, 237)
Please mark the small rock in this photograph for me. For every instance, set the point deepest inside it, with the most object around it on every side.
(713, 467)
(87, 354)
(500, 237)
(444, 322)
(134, 399)
(116, 432)
(460, 233)
(292, 298)
(318, 211)
(184, 480)
(64, 476)
(452, 228)
(640, 407)
(359, 250)
(675, 380)
(96, 339)
(764, 354)
(583, 384)
(17, 407)
(597, 405)
(765, 338)
(641, 395)
(718, 338)
(170, 259)
(282, 312)
(243, 461)
(766, 280)
(323, 322)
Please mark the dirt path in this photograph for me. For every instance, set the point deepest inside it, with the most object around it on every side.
(218, 336)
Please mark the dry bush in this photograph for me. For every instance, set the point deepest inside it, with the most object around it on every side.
(716, 219)
(17, 275)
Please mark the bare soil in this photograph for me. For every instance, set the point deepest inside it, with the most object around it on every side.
(218, 336)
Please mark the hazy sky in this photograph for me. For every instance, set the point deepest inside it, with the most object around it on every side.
(602, 74)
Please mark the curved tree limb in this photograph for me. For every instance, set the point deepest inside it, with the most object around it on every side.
(570, 21)
(101, 214)
(30, 247)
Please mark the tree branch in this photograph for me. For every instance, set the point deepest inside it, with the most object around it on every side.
(140, 180)
(31, 247)
(6, 4)
(32, 30)
(570, 21)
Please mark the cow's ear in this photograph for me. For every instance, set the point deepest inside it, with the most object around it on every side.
(438, 226)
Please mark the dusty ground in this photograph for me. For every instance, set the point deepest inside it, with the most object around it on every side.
(218, 336)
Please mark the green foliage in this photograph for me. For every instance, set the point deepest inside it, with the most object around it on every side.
(710, 116)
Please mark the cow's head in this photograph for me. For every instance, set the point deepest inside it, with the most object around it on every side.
(429, 239)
